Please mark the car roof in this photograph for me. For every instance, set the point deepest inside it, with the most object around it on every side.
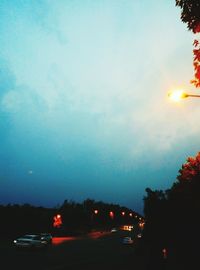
(30, 235)
(27, 236)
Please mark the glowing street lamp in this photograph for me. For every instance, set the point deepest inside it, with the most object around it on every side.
(57, 221)
(179, 94)
(111, 214)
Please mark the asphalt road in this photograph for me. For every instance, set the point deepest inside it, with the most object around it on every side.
(94, 251)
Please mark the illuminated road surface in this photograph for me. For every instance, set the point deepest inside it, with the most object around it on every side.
(92, 235)
(94, 251)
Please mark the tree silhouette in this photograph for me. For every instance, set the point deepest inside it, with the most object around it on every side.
(173, 216)
(67, 219)
(184, 196)
(190, 14)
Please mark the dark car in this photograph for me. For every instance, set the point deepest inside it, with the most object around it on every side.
(46, 237)
(30, 241)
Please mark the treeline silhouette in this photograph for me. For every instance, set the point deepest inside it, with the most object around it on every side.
(173, 219)
(76, 218)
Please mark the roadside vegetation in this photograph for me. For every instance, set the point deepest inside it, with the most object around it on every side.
(74, 218)
(173, 218)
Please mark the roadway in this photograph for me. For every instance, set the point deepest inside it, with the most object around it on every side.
(98, 250)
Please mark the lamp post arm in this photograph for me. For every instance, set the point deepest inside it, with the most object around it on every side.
(188, 95)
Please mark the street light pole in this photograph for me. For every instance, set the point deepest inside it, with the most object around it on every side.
(188, 95)
(179, 94)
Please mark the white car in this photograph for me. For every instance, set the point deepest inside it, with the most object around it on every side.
(127, 240)
(30, 241)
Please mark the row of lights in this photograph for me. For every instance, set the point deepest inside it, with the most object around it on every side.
(111, 213)
(57, 219)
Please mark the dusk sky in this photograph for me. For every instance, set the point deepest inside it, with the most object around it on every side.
(84, 111)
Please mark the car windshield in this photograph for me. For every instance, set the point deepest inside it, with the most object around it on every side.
(28, 236)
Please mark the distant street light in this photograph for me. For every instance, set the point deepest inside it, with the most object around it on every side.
(96, 211)
(111, 214)
(57, 221)
(179, 94)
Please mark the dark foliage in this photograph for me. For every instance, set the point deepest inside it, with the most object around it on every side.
(173, 216)
(76, 218)
(190, 14)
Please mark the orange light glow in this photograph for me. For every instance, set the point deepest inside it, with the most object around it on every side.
(111, 214)
(123, 213)
(97, 234)
(177, 95)
(127, 227)
(130, 214)
(96, 211)
(164, 251)
(57, 221)
(60, 240)
(141, 225)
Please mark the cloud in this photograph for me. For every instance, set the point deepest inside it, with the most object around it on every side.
(87, 85)
(11, 102)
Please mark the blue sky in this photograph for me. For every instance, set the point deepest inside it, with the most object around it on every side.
(83, 100)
